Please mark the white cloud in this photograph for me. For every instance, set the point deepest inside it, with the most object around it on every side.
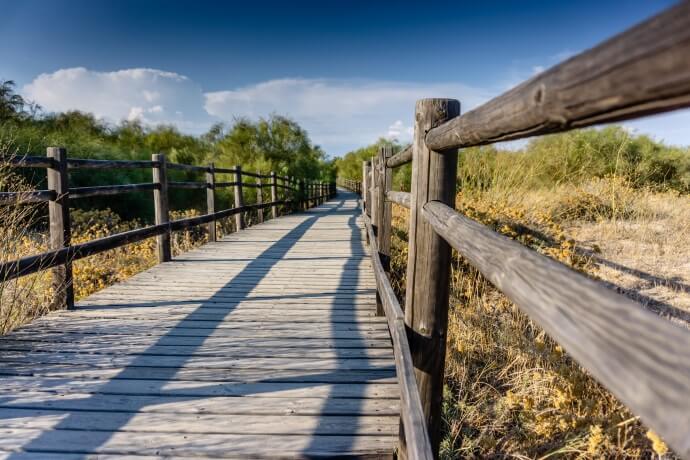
(340, 114)
(149, 95)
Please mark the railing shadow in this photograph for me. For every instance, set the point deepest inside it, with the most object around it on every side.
(156, 382)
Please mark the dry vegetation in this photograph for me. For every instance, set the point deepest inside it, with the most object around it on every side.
(23, 232)
(513, 392)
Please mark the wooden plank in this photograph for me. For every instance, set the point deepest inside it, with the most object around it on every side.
(267, 336)
(223, 405)
(641, 358)
(644, 70)
(212, 445)
(107, 190)
(200, 388)
(401, 198)
(400, 158)
(46, 419)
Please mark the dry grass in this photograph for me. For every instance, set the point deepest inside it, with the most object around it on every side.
(513, 392)
(23, 232)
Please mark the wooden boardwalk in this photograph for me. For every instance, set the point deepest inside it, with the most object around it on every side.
(263, 344)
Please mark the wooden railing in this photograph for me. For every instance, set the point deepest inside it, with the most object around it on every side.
(286, 192)
(643, 359)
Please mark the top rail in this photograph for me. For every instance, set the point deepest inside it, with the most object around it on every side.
(79, 163)
(400, 158)
(27, 161)
(634, 360)
(643, 71)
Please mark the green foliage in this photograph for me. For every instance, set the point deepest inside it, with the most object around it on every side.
(275, 144)
(350, 165)
(548, 161)
(574, 157)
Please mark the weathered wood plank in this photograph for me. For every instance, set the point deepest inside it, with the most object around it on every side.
(262, 344)
(644, 70)
(644, 360)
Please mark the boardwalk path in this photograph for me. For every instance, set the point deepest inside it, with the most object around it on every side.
(263, 344)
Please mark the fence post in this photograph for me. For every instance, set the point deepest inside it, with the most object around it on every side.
(373, 196)
(239, 201)
(160, 206)
(211, 200)
(274, 194)
(259, 198)
(365, 186)
(429, 257)
(60, 228)
(384, 215)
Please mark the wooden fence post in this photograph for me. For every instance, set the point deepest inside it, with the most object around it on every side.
(259, 199)
(211, 200)
(384, 215)
(160, 206)
(429, 257)
(60, 228)
(239, 201)
(274, 194)
(373, 195)
(365, 187)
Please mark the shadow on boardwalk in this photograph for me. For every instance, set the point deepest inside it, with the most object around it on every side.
(241, 287)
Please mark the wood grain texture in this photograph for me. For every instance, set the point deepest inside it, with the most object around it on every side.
(59, 227)
(428, 265)
(384, 214)
(160, 206)
(642, 71)
(641, 358)
(239, 198)
(401, 198)
(274, 194)
(106, 190)
(400, 158)
(263, 344)
(259, 198)
(211, 200)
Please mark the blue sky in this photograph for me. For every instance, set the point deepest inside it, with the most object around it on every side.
(349, 72)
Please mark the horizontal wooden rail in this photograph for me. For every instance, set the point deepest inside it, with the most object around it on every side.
(225, 184)
(186, 185)
(32, 264)
(80, 163)
(642, 359)
(183, 167)
(224, 171)
(258, 176)
(412, 416)
(401, 198)
(643, 71)
(34, 196)
(28, 161)
(400, 158)
(103, 190)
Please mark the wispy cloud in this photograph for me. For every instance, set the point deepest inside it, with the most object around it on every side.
(339, 115)
(150, 95)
